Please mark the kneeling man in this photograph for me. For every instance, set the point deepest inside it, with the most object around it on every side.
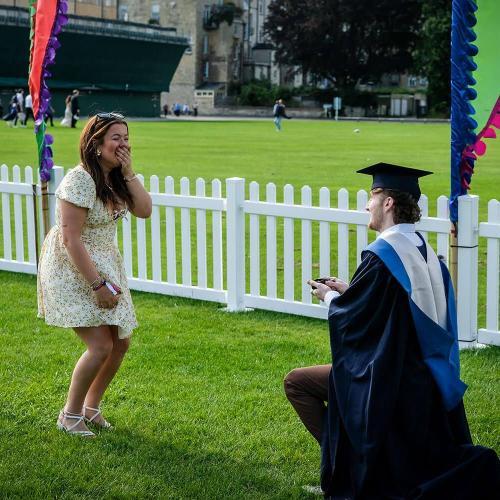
(394, 425)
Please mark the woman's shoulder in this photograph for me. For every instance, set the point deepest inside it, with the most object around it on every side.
(77, 187)
(79, 172)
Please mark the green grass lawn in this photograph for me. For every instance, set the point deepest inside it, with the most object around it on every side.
(316, 153)
(198, 404)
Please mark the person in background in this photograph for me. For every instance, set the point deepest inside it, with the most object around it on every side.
(81, 277)
(12, 113)
(66, 121)
(28, 109)
(20, 99)
(165, 110)
(75, 108)
(49, 115)
(20, 106)
(279, 113)
(195, 109)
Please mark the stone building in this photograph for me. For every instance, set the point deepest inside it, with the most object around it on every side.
(215, 30)
(259, 63)
(104, 9)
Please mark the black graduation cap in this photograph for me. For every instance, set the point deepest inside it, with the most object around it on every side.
(389, 176)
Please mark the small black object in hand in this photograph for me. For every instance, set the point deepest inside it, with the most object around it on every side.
(320, 280)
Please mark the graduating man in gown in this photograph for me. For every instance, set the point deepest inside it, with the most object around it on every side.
(394, 426)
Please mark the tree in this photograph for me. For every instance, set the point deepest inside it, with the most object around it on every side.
(220, 13)
(432, 57)
(345, 40)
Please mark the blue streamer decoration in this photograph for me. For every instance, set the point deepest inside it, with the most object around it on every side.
(462, 124)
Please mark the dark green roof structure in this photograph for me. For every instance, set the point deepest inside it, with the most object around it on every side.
(95, 54)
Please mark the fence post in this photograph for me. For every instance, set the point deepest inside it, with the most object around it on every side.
(56, 176)
(235, 241)
(492, 270)
(468, 236)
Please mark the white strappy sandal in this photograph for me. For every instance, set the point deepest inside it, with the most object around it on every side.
(97, 411)
(70, 429)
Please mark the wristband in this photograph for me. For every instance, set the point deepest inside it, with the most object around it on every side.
(111, 288)
(100, 285)
(130, 179)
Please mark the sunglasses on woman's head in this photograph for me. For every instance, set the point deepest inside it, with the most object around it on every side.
(110, 116)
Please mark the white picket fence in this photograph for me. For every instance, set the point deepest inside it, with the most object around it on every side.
(164, 266)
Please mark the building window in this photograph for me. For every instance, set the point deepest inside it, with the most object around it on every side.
(412, 81)
(206, 15)
(123, 13)
(206, 66)
(205, 44)
(155, 12)
(237, 29)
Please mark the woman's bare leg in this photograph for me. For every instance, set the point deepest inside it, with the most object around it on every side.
(106, 373)
(99, 344)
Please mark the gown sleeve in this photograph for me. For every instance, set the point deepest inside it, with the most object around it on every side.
(368, 337)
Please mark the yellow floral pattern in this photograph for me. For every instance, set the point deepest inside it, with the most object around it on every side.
(64, 296)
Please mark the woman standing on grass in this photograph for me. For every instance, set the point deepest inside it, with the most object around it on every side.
(66, 121)
(81, 277)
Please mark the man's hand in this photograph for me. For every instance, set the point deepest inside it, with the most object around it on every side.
(337, 284)
(320, 289)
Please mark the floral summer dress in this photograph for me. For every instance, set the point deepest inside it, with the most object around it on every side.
(64, 295)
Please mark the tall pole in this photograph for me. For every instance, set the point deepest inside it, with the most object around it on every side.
(45, 207)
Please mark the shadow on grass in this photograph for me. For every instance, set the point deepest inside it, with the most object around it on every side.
(128, 464)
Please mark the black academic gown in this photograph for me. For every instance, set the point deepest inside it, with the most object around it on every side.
(387, 434)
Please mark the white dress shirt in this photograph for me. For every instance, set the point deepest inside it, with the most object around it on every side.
(407, 229)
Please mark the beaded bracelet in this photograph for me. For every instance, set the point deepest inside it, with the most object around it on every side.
(100, 285)
(95, 282)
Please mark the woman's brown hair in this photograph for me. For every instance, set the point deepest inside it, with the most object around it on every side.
(91, 138)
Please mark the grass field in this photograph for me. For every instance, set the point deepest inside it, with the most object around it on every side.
(198, 406)
(316, 153)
